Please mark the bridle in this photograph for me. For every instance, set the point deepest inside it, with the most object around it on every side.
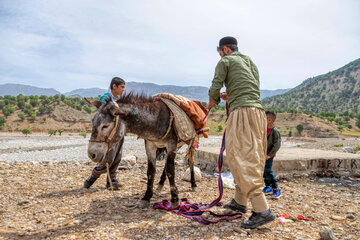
(112, 133)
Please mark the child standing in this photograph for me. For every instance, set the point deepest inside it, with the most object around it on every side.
(273, 145)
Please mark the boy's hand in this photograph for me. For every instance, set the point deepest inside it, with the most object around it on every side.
(267, 157)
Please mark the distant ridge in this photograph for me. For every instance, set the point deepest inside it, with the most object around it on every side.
(26, 90)
(192, 92)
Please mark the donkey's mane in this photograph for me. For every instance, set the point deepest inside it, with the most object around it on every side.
(132, 98)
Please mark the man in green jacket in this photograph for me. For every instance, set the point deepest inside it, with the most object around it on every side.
(245, 136)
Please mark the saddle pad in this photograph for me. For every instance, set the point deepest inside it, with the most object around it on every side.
(184, 127)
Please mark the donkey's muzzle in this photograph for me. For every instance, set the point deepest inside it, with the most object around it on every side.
(96, 151)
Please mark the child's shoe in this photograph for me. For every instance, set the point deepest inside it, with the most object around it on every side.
(267, 190)
(276, 193)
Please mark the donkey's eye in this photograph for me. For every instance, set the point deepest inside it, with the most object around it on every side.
(104, 127)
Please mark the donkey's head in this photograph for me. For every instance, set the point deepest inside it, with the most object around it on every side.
(107, 129)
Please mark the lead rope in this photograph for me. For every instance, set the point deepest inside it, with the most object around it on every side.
(194, 210)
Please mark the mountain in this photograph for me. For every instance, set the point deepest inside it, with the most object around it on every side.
(336, 91)
(270, 93)
(26, 90)
(192, 92)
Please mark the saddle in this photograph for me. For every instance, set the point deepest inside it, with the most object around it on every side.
(189, 116)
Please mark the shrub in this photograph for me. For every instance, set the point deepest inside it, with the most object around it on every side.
(83, 133)
(52, 132)
(60, 131)
(357, 148)
(26, 131)
(300, 128)
(338, 121)
(7, 111)
(340, 128)
(338, 145)
(220, 128)
(34, 102)
(290, 133)
(21, 116)
(2, 122)
(358, 123)
(33, 116)
(87, 109)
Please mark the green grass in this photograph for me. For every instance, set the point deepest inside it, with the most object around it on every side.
(338, 145)
(357, 148)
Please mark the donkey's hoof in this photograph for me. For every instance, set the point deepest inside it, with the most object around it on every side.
(194, 189)
(158, 190)
(144, 204)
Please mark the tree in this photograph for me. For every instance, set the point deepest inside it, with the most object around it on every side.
(300, 128)
(33, 116)
(290, 133)
(26, 131)
(220, 128)
(60, 131)
(34, 102)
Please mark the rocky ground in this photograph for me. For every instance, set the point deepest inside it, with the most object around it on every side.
(41, 198)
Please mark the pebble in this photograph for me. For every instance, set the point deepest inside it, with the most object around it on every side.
(337, 218)
(195, 224)
(327, 234)
(350, 216)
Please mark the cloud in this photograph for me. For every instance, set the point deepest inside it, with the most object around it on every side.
(71, 44)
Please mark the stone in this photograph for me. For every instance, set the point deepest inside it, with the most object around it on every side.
(197, 173)
(327, 234)
(337, 218)
(350, 216)
(128, 161)
(23, 202)
(348, 149)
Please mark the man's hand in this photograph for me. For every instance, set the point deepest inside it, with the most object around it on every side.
(223, 96)
(268, 157)
(211, 104)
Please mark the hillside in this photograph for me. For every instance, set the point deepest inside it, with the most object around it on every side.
(336, 91)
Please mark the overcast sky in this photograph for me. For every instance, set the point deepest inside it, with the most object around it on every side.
(69, 44)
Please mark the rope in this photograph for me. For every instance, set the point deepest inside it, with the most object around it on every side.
(194, 210)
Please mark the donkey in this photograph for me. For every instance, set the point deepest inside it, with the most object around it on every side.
(150, 120)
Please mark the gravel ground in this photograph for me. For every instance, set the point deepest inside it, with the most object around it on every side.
(41, 198)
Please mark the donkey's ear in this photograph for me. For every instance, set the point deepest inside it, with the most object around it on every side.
(96, 103)
(116, 110)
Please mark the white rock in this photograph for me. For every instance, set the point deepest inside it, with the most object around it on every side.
(187, 176)
(348, 149)
(128, 160)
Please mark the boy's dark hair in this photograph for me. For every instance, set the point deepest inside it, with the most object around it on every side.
(271, 114)
(117, 81)
(233, 47)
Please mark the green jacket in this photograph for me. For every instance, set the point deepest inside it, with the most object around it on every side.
(273, 142)
(241, 78)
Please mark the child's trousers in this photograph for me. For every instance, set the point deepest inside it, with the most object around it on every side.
(269, 177)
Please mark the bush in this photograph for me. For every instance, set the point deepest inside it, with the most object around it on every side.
(26, 131)
(21, 116)
(83, 133)
(338, 121)
(60, 131)
(52, 132)
(220, 128)
(338, 145)
(34, 102)
(2, 122)
(340, 128)
(300, 128)
(290, 133)
(33, 116)
(87, 109)
(357, 148)
(7, 111)
(358, 123)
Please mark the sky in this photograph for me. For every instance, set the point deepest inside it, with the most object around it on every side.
(71, 44)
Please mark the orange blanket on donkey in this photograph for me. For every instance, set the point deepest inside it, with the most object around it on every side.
(194, 109)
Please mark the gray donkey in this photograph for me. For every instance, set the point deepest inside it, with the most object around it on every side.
(150, 120)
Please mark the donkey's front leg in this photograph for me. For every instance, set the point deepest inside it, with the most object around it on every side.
(170, 172)
(151, 155)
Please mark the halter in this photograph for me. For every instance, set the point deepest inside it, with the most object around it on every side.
(112, 133)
